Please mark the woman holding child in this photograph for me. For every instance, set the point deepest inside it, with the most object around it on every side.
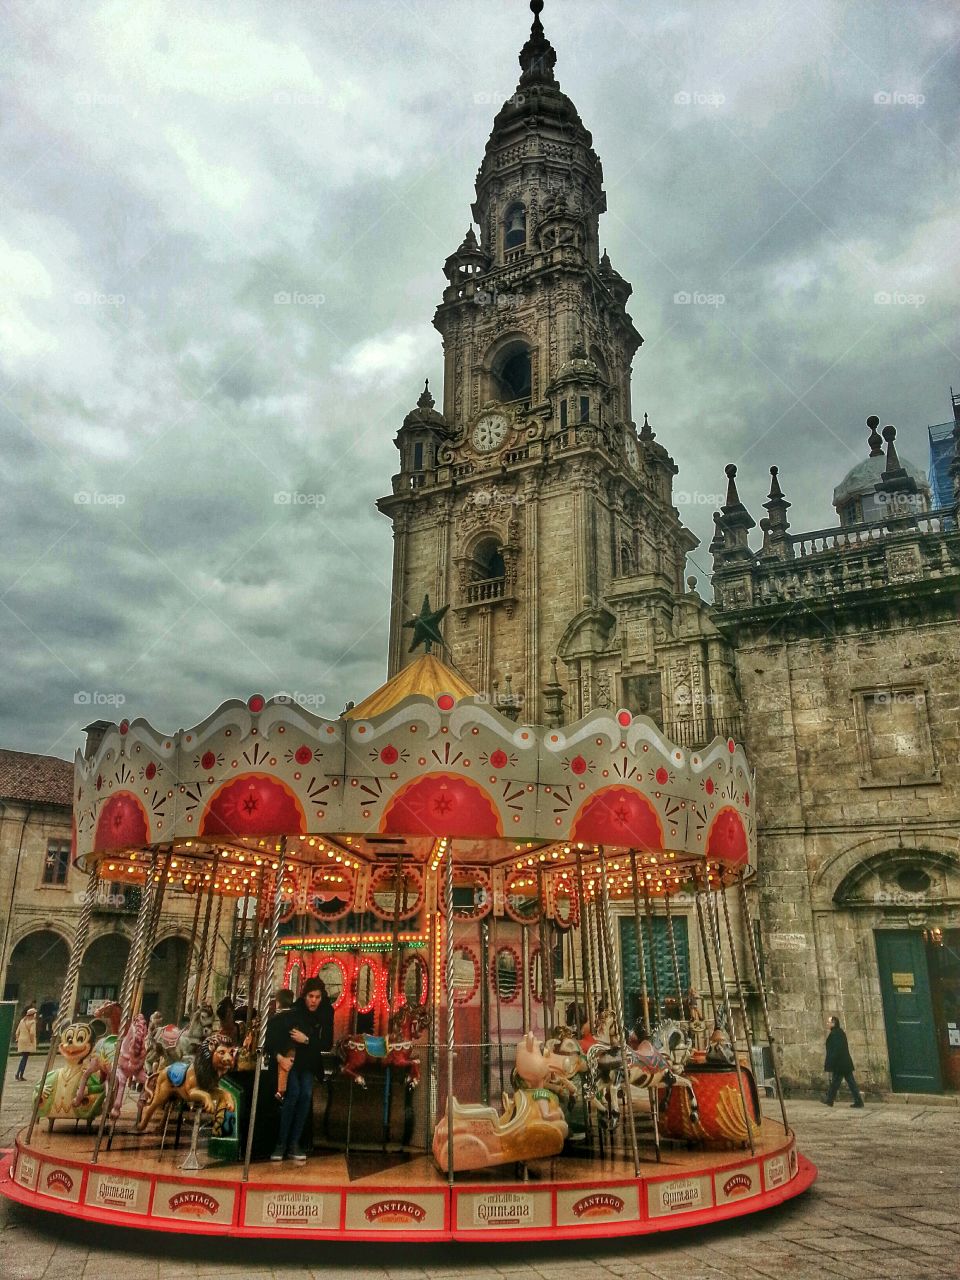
(296, 1039)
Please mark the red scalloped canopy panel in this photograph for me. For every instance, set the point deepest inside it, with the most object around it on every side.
(122, 824)
(441, 805)
(253, 805)
(620, 816)
(727, 839)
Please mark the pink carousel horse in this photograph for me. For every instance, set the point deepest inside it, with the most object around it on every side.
(130, 1053)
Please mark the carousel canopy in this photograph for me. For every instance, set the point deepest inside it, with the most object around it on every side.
(420, 761)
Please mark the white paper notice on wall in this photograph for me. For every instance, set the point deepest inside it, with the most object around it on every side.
(953, 1035)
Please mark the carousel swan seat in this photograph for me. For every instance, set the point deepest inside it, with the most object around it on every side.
(721, 1119)
(531, 1127)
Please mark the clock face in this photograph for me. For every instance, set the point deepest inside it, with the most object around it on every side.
(630, 446)
(489, 432)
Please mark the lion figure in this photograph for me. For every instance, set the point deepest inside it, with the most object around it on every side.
(195, 1082)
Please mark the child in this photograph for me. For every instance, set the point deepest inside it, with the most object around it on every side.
(26, 1039)
(285, 1060)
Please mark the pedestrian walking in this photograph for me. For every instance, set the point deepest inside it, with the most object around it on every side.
(839, 1064)
(26, 1039)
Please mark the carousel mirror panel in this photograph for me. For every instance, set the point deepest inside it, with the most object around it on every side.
(415, 982)
(566, 906)
(472, 893)
(365, 986)
(522, 898)
(331, 893)
(333, 975)
(395, 895)
(505, 974)
(466, 974)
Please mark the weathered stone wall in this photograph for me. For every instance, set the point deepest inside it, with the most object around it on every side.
(827, 806)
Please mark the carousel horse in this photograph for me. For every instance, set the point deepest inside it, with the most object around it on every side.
(130, 1053)
(171, 1043)
(531, 1127)
(357, 1053)
(602, 1031)
(109, 1013)
(655, 1061)
(196, 1081)
(58, 1089)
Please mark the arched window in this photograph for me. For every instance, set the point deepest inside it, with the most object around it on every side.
(627, 567)
(514, 376)
(515, 227)
(487, 561)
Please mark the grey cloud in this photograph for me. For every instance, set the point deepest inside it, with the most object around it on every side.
(201, 194)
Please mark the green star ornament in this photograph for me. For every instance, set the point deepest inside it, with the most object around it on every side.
(426, 628)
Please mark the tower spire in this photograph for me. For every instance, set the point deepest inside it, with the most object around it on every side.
(538, 56)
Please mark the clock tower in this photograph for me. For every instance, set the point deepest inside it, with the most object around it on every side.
(532, 505)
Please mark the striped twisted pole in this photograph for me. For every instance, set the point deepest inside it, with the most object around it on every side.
(270, 965)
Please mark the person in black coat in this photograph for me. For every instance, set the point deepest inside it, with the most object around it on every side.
(839, 1064)
(308, 1027)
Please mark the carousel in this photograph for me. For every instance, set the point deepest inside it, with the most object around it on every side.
(505, 918)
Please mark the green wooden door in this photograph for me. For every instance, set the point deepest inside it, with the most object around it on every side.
(661, 956)
(907, 1012)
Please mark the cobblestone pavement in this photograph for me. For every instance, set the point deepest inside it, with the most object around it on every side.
(887, 1204)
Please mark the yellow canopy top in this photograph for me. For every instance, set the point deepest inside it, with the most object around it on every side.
(427, 675)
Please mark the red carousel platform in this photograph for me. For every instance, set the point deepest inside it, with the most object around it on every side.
(469, 887)
(568, 1198)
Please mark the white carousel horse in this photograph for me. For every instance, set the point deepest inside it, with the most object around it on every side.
(655, 1062)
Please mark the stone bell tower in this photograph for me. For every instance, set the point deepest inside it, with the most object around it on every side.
(532, 505)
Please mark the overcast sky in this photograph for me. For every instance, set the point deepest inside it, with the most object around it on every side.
(171, 172)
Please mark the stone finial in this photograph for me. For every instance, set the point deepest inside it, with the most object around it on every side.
(765, 530)
(553, 696)
(893, 460)
(538, 56)
(605, 263)
(426, 400)
(733, 498)
(874, 440)
(775, 540)
(737, 520)
(692, 584)
(646, 431)
(470, 240)
(896, 488)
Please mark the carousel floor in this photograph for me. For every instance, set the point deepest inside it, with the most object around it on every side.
(401, 1195)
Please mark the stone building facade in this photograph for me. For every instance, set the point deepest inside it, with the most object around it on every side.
(42, 893)
(536, 508)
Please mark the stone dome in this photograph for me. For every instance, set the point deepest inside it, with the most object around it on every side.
(864, 477)
(861, 498)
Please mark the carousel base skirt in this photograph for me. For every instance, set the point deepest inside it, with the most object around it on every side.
(401, 1196)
